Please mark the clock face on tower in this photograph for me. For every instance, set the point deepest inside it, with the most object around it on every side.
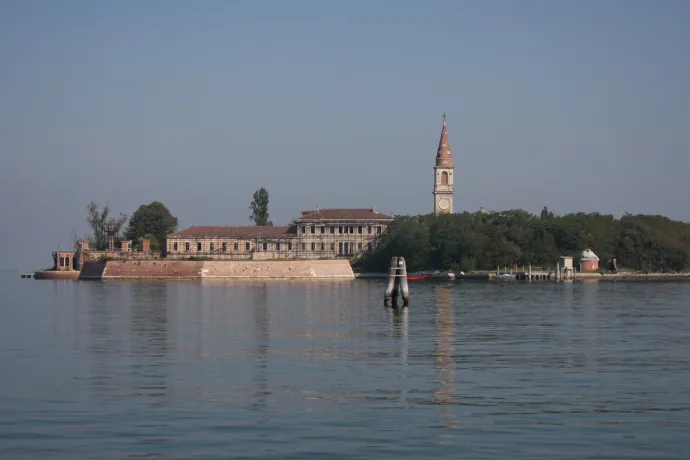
(443, 203)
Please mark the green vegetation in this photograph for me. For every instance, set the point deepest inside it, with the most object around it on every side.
(484, 241)
(97, 220)
(259, 208)
(151, 221)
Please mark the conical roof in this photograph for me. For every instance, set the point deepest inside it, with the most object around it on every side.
(443, 155)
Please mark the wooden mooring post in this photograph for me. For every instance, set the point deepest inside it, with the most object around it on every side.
(397, 282)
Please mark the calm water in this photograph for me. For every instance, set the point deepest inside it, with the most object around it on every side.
(322, 370)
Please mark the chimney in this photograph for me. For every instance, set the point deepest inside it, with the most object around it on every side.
(83, 245)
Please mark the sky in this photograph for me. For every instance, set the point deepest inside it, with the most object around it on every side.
(575, 105)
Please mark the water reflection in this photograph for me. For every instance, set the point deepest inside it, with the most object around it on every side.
(399, 326)
(443, 395)
(149, 338)
(589, 302)
(294, 370)
(262, 336)
(104, 334)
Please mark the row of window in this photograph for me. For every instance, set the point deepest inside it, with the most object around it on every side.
(223, 248)
(342, 229)
(343, 247)
(264, 246)
(64, 261)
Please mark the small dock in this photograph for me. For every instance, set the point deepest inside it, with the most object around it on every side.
(539, 274)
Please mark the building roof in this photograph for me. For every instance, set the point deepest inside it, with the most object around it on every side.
(232, 232)
(443, 155)
(588, 254)
(344, 214)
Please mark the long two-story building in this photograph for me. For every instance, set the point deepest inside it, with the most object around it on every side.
(317, 234)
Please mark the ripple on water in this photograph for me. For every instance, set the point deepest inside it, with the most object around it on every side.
(314, 370)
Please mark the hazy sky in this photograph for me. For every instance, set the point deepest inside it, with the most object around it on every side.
(578, 106)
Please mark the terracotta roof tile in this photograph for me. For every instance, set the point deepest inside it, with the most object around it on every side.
(345, 214)
(232, 232)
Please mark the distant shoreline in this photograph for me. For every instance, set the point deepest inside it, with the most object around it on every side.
(578, 276)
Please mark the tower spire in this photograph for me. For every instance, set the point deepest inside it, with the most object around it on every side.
(443, 155)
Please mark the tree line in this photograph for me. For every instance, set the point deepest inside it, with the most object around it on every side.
(152, 221)
(484, 241)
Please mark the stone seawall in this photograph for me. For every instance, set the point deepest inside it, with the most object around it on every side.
(172, 269)
(56, 275)
(625, 276)
(279, 269)
(135, 269)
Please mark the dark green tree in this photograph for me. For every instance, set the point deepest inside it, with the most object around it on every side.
(467, 241)
(153, 221)
(97, 220)
(259, 208)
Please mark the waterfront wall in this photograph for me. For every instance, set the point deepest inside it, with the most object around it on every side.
(56, 275)
(172, 269)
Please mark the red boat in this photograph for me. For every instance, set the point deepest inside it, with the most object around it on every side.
(417, 277)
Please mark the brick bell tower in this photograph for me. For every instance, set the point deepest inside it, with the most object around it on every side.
(444, 190)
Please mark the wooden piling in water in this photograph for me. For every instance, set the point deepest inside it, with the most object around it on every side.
(402, 280)
(391, 293)
(397, 282)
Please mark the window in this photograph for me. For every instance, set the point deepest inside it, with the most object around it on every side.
(174, 246)
(313, 246)
(323, 246)
(277, 246)
(352, 229)
(378, 229)
(225, 246)
(332, 228)
(359, 245)
(198, 246)
(369, 246)
(444, 178)
(323, 230)
(236, 246)
(304, 229)
(304, 246)
(62, 261)
(332, 246)
(186, 247)
(369, 229)
(346, 228)
(340, 229)
(289, 246)
(359, 229)
(67, 261)
(265, 246)
(313, 228)
(212, 246)
(247, 245)
(352, 247)
(340, 247)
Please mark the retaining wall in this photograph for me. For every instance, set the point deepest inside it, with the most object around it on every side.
(279, 269)
(171, 269)
(56, 275)
(92, 271)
